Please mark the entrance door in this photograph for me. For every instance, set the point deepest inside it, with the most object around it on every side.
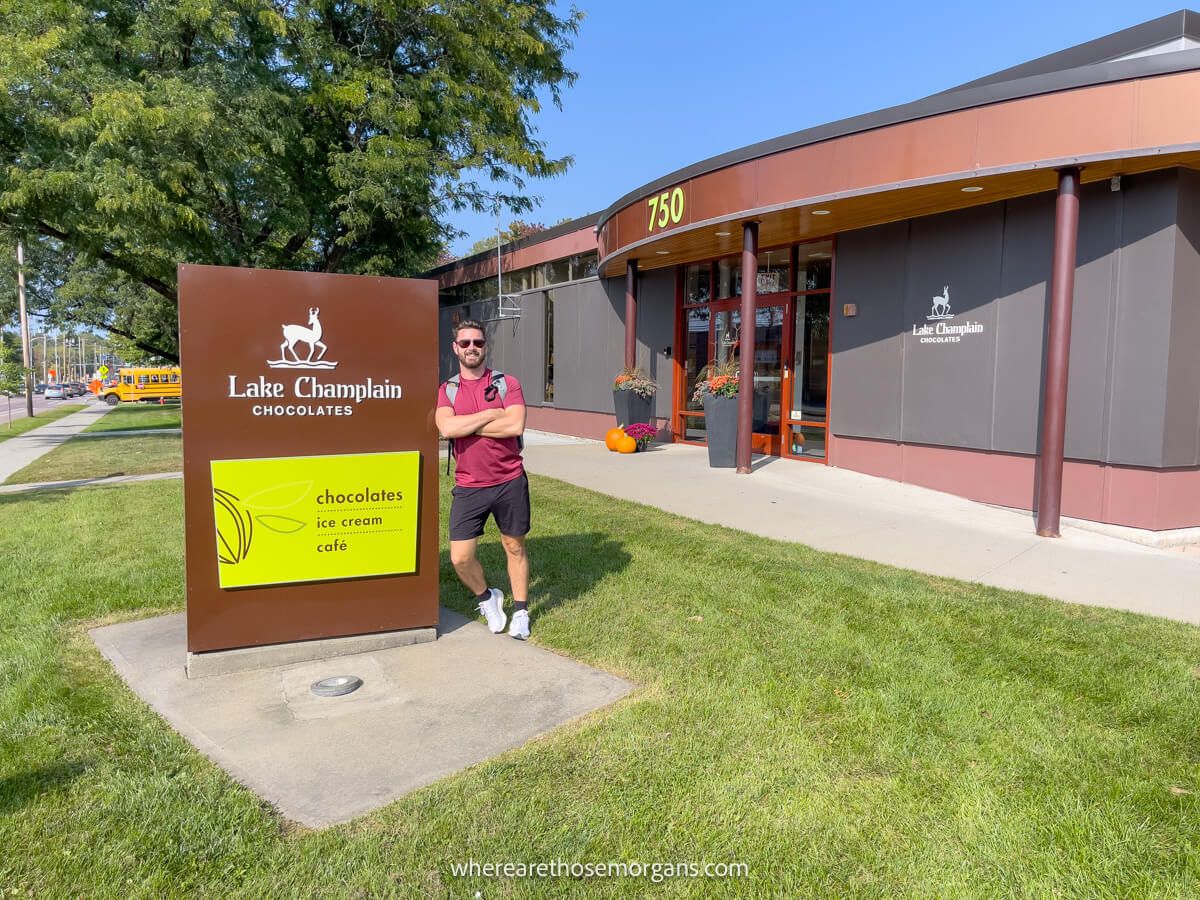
(770, 327)
(808, 413)
(791, 346)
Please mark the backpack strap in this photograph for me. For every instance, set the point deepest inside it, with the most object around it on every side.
(451, 392)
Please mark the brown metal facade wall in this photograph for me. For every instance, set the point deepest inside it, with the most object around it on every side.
(985, 392)
(1181, 438)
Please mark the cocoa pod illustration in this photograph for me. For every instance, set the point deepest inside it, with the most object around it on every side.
(235, 527)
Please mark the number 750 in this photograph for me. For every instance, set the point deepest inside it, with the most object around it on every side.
(666, 208)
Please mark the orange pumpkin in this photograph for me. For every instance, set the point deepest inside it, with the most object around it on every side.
(626, 445)
(611, 438)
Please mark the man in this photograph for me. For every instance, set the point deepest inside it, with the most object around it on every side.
(484, 416)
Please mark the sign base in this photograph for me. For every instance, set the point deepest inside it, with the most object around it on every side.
(245, 659)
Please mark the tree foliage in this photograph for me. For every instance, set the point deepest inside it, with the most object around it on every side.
(298, 134)
(516, 230)
(12, 373)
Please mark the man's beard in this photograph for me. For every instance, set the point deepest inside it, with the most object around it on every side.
(465, 360)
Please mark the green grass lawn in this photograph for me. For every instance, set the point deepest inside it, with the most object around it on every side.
(139, 417)
(844, 728)
(24, 424)
(100, 457)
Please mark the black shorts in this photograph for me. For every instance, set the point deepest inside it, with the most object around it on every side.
(508, 502)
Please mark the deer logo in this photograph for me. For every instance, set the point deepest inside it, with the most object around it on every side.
(303, 334)
(941, 305)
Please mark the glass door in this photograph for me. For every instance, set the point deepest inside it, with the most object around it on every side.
(770, 325)
(791, 345)
(809, 384)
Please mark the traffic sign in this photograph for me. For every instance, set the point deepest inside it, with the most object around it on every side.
(103, 370)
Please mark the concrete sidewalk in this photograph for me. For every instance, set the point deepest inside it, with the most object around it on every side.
(16, 453)
(899, 524)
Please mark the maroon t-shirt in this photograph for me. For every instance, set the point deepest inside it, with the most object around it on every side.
(483, 461)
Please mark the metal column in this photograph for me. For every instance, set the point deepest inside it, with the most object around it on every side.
(631, 314)
(746, 347)
(1058, 354)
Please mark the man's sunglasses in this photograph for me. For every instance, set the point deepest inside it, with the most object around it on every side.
(469, 342)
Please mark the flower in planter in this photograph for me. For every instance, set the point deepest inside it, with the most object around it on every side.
(637, 381)
(642, 433)
(719, 380)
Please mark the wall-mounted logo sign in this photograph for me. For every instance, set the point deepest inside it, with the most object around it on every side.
(944, 332)
(941, 306)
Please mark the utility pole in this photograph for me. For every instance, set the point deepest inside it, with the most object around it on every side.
(26, 350)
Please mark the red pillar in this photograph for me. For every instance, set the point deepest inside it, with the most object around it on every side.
(1058, 354)
(631, 314)
(746, 347)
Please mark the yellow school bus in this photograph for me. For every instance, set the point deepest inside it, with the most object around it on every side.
(134, 384)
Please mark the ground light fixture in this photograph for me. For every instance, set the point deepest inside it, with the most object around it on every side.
(337, 686)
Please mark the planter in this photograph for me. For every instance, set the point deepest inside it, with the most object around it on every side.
(631, 408)
(720, 424)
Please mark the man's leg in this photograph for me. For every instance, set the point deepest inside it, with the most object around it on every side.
(468, 512)
(518, 567)
(518, 577)
(467, 566)
(470, 573)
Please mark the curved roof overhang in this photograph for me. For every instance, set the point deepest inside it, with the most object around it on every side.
(1008, 139)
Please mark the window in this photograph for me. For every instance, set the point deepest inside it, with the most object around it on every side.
(774, 268)
(549, 344)
(515, 282)
(585, 265)
(697, 281)
(558, 271)
(729, 277)
(696, 351)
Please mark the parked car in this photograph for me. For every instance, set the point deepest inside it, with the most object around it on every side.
(56, 392)
(39, 388)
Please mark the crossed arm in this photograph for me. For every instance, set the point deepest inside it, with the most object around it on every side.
(493, 423)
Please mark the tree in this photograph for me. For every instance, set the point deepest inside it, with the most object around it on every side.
(316, 135)
(516, 230)
(12, 373)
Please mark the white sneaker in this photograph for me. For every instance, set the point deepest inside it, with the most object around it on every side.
(519, 628)
(493, 611)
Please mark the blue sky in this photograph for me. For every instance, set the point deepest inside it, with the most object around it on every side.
(666, 83)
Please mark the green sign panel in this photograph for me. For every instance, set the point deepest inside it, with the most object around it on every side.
(315, 518)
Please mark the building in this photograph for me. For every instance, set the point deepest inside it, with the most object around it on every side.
(904, 288)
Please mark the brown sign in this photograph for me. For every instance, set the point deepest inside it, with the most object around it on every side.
(309, 455)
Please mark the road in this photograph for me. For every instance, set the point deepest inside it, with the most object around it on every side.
(40, 404)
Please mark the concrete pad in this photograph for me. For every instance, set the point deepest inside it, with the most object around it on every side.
(898, 524)
(270, 656)
(424, 712)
